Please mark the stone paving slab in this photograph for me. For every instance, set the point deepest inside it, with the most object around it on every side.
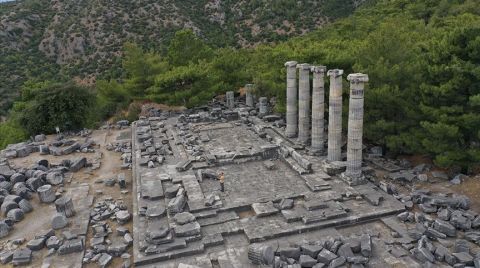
(151, 185)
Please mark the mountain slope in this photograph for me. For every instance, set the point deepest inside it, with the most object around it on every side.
(82, 39)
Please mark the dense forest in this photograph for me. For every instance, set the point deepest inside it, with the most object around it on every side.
(422, 57)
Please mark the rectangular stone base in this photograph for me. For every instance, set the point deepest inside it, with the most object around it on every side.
(353, 181)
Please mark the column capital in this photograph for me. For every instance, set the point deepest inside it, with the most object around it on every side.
(291, 64)
(335, 72)
(303, 66)
(357, 78)
(318, 69)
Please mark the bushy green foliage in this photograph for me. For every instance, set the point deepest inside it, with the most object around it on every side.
(41, 109)
(11, 132)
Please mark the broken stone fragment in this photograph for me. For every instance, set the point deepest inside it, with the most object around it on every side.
(345, 251)
(59, 221)
(104, 260)
(366, 245)
(8, 205)
(110, 182)
(15, 215)
(286, 203)
(307, 261)
(6, 256)
(445, 227)
(55, 178)
(77, 164)
(22, 256)
(53, 242)
(326, 256)
(17, 177)
(46, 193)
(154, 211)
(183, 218)
(128, 239)
(36, 244)
(123, 216)
(171, 191)
(189, 229)
(71, 246)
(311, 250)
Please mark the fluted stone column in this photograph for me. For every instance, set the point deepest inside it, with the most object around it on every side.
(335, 116)
(303, 103)
(249, 95)
(355, 125)
(230, 99)
(292, 112)
(318, 108)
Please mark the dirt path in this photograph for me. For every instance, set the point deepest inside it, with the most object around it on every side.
(110, 168)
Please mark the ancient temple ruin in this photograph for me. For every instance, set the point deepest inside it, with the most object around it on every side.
(353, 173)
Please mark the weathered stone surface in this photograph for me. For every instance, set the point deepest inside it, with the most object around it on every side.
(366, 245)
(104, 260)
(59, 221)
(311, 250)
(53, 242)
(264, 209)
(17, 177)
(6, 171)
(445, 227)
(290, 252)
(345, 251)
(15, 215)
(6, 256)
(46, 193)
(123, 216)
(189, 229)
(71, 246)
(78, 163)
(36, 244)
(8, 205)
(307, 261)
(4, 228)
(463, 257)
(337, 262)
(260, 254)
(326, 256)
(55, 178)
(22, 256)
(155, 211)
(183, 218)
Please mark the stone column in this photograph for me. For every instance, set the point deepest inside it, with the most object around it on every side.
(263, 106)
(303, 103)
(230, 99)
(318, 108)
(292, 113)
(64, 205)
(335, 116)
(248, 95)
(355, 125)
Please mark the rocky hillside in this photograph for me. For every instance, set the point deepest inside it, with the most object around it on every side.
(82, 39)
